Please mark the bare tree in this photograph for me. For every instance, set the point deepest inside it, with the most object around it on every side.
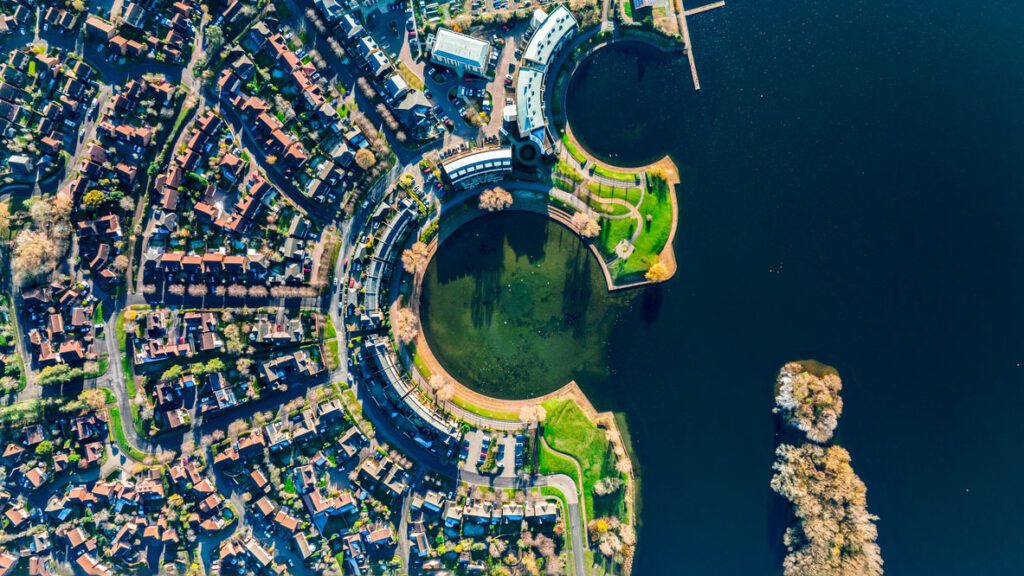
(365, 159)
(35, 256)
(127, 203)
(244, 366)
(94, 398)
(446, 392)
(495, 199)
(415, 257)
(405, 325)
(436, 382)
(236, 428)
(585, 224)
(532, 414)
(120, 264)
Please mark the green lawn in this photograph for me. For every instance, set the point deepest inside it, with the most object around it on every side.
(117, 434)
(614, 174)
(631, 194)
(549, 462)
(140, 425)
(567, 171)
(612, 231)
(607, 208)
(628, 6)
(108, 396)
(573, 151)
(493, 414)
(126, 363)
(649, 244)
(331, 339)
(568, 430)
(418, 361)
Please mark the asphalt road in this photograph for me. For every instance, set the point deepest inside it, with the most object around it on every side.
(349, 231)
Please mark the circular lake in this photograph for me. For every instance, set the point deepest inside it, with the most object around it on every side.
(513, 305)
(635, 126)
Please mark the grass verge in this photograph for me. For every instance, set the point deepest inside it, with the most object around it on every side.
(552, 492)
(573, 151)
(126, 363)
(331, 340)
(615, 174)
(418, 361)
(485, 412)
(118, 435)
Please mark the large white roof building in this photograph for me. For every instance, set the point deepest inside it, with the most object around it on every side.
(530, 101)
(460, 52)
(558, 27)
(552, 32)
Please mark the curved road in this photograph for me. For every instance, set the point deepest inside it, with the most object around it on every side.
(348, 230)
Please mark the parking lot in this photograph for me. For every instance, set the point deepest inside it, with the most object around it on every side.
(391, 23)
(509, 456)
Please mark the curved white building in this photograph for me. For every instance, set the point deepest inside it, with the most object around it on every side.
(552, 33)
(476, 168)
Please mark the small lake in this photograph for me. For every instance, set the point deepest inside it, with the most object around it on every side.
(514, 306)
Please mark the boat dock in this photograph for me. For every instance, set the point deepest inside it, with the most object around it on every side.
(684, 30)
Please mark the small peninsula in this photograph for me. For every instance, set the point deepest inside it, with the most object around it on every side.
(833, 533)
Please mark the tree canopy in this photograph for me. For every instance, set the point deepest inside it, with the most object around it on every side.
(807, 395)
(834, 534)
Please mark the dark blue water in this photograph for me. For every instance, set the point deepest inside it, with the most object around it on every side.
(852, 191)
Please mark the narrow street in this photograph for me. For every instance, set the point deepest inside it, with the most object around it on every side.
(348, 232)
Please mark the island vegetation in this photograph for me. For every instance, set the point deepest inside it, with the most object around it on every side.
(807, 396)
(834, 534)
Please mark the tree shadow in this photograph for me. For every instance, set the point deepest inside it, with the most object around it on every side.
(578, 292)
(531, 236)
(651, 303)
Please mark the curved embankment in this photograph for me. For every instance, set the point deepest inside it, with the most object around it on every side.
(504, 413)
(507, 409)
(557, 89)
(665, 166)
